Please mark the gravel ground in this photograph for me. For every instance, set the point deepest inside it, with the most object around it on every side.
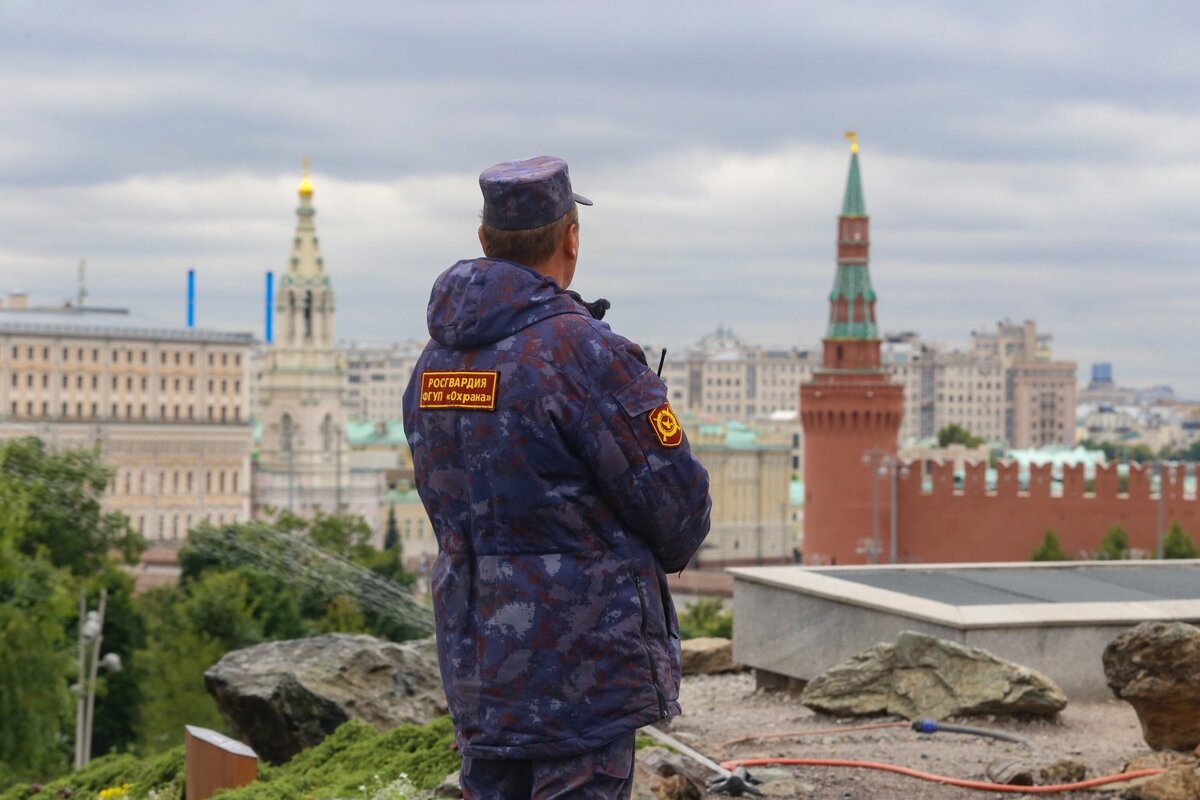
(1103, 735)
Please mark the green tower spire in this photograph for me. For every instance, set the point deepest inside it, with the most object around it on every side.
(852, 301)
(853, 205)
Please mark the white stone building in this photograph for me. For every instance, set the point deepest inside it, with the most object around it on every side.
(304, 462)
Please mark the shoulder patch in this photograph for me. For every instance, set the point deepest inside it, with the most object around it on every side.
(666, 427)
(474, 391)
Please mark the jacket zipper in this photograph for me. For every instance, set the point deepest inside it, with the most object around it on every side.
(662, 702)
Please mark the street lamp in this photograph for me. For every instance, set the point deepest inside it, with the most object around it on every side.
(883, 463)
(91, 634)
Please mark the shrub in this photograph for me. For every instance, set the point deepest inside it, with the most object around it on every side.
(1115, 544)
(1177, 543)
(1049, 549)
(706, 617)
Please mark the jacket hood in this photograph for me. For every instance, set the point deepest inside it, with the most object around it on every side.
(483, 300)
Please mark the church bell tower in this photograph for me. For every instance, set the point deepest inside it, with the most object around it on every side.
(303, 454)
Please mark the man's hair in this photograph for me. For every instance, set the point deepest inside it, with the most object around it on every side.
(529, 247)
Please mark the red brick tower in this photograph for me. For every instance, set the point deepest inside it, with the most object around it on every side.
(850, 410)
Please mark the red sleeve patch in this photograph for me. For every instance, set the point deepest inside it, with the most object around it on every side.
(666, 427)
(474, 391)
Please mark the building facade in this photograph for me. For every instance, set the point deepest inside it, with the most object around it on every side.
(376, 376)
(304, 462)
(723, 377)
(165, 406)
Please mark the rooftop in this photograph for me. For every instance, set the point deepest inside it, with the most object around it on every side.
(109, 324)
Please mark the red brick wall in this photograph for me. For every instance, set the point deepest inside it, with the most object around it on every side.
(973, 525)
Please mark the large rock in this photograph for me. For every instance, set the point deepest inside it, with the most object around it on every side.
(707, 656)
(281, 697)
(923, 676)
(1155, 667)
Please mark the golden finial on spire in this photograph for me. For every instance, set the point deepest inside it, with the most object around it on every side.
(306, 187)
(853, 137)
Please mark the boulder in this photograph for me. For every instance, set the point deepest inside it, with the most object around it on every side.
(1069, 770)
(708, 656)
(922, 676)
(281, 697)
(1155, 667)
(1177, 783)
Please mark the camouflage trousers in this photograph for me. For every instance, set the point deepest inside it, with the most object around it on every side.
(605, 773)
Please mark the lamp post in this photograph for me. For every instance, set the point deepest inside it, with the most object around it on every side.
(883, 463)
(91, 635)
(1160, 535)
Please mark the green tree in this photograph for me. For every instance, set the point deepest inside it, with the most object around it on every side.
(35, 655)
(391, 539)
(64, 491)
(174, 660)
(1115, 544)
(66, 528)
(957, 434)
(1049, 549)
(1178, 544)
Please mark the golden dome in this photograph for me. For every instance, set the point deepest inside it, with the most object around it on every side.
(306, 187)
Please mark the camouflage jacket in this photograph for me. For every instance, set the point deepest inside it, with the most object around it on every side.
(560, 488)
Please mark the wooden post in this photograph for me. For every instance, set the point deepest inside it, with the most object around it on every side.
(213, 762)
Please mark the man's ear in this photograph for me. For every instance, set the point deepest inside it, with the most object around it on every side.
(571, 242)
(480, 232)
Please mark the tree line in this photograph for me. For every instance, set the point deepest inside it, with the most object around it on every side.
(56, 542)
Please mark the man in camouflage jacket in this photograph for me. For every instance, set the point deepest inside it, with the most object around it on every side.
(561, 489)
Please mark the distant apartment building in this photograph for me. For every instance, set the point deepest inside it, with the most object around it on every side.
(166, 407)
(1006, 388)
(723, 377)
(750, 481)
(376, 377)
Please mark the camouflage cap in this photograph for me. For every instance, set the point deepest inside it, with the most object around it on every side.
(519, 195)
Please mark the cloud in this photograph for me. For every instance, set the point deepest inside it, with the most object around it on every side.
(1020, 160)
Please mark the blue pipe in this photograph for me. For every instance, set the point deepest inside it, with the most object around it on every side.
(191, 299)
(270, 306)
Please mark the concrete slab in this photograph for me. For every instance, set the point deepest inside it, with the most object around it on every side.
(1056, 618)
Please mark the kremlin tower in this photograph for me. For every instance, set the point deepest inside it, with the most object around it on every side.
(850, 410)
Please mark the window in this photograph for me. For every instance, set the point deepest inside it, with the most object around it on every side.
(177, 356)
(45, 381)
(95, 382)
(327, 433)
(129, 384)
(235, 481)
(286, 433)
(224, 359)
(221, 482)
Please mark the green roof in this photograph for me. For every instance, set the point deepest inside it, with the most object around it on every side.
(852, 281)
(853, 205)
(363, 432)
(737, 436)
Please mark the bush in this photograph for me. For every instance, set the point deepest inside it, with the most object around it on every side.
(1177, 543)
(355, 761)
(1049, 549)
(1115, 544)
(706, 617)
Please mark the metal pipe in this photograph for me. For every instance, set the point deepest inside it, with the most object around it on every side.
(80, 703)
(191, 298)
(91, 697)
(873, 555)
(894, 466)
(270, 319)
(1162, 493)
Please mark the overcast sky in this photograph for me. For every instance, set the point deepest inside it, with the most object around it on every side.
(1020, 160)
